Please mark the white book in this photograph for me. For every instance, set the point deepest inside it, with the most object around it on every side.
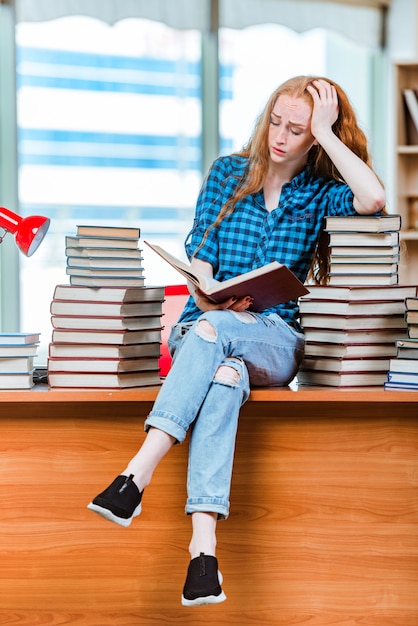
(16, 365)
(16, 381)
(14, 339)
(25, 350)
(104, 253)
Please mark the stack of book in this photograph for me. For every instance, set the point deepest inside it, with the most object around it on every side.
(352, 324)
(105, 337)
(104, 256)
(351, 333)
(364, 250)
(17, 353)
(106, 322)
(403, 369)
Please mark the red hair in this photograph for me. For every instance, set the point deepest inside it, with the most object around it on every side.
(256, 150)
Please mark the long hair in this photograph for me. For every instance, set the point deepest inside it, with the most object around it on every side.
(257, 151)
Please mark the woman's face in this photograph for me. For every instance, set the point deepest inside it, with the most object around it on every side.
(290, 137)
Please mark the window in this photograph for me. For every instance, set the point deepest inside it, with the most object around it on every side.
(109, 127)
(282, 53)
(109, 131)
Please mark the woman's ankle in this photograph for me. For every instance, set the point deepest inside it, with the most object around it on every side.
(204, 534)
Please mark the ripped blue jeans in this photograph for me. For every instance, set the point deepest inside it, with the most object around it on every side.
(215, 360)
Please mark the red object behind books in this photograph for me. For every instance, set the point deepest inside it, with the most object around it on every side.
(175, 299)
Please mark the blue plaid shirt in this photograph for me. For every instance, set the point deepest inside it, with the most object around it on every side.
(251, 236)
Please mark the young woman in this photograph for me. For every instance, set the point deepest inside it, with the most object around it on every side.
(307, 158)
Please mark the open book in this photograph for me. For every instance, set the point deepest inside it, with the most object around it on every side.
(269, 285)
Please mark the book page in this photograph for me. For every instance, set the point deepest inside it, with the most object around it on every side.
(201, 281)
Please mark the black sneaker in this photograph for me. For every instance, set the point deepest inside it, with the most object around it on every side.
(120, 502)
(203, 582)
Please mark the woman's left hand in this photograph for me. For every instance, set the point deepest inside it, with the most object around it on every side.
(325, 108)
(233, 304)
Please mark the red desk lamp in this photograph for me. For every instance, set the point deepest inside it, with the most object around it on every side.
(28, 231)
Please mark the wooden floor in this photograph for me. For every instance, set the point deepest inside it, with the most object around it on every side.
(323, 527)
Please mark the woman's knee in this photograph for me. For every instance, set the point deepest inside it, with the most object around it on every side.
(228, 374)
(206, 330)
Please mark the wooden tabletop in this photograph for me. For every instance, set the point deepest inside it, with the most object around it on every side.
(305, 393)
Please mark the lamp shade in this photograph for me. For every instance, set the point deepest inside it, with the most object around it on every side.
(28, 231)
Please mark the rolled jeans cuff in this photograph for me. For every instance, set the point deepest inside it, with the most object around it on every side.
(168, 423)
(208, 505)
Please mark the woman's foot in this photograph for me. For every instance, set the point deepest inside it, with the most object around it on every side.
(203, 582)
(120, 502)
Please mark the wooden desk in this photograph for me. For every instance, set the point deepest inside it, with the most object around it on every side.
(323, 527)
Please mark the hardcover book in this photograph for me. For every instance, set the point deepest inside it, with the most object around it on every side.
(363, 223)
(392, 386)
(365, 251)
(345, 379)
(350, 350)
(106, 323)
(13, 339)
(352, 308)
(124, 232)
(356, 292)
(16, 365)
(356, 364)
(364, 239)
(105, 273)
(105, 281)
(351, 336)
(114, 337)
(403, 365)
(413, 331)
(109, 294)
(411, 316)
(361, 258)
(102, 365)
(105, 309)
(104, 263)
(103, 351)
(360, 322)
(24, 350)
(84, 380)
(100, 253)
(269, 285)
(411, 304)
(373, 269)
(403, 377)
(407, 348)
(16, 381)
(363, 279)
(74, 241)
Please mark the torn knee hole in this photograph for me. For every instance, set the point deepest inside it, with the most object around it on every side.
(205, 330)
(227, 375)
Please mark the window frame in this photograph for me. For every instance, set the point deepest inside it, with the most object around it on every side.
(9, 254)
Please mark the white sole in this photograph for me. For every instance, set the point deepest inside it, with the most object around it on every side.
(206, 600)
(112, 517)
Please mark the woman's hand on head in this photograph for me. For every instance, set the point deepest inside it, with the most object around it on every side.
(325, 107)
